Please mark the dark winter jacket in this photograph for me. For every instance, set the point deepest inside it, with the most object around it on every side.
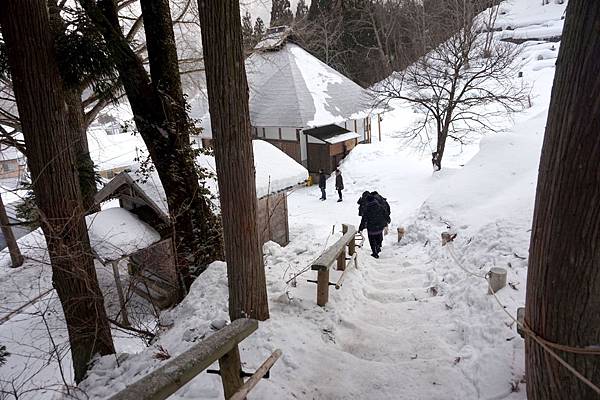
(375, 217)
(339, 182)
(383, 201)
(322, 180)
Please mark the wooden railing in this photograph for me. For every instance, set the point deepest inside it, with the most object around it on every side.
(222, 346)
(336, 252)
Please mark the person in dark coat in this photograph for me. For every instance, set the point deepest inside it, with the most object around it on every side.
(361, 203)
(322, 184)
(339, 183)
(374, 219)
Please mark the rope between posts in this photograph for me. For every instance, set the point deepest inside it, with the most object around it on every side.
(545, 344)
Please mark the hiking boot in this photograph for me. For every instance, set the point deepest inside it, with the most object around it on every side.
(339, 200)
(374, 255)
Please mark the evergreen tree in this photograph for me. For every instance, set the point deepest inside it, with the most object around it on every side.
(247, 31)
(281, 14)
(259, 29)
(301, 11)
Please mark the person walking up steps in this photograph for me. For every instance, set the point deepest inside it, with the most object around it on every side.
(322, 184)
(339, 183)
(374, 219)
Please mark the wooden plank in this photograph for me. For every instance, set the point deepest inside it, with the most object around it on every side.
(258, 375)
(332, 253)
(166, 380)
(231, 368)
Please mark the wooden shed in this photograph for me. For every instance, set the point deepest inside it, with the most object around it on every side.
(327, 146)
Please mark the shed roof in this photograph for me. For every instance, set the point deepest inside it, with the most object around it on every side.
(289, 87)
(331, 133)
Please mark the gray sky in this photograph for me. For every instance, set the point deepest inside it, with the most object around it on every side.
(262, 8)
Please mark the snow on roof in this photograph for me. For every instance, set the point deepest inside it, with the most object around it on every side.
(9, 153)
(331, 133)
(529, 19)
(292, 88)
(115, 233)
(275, 171)
(342, 137)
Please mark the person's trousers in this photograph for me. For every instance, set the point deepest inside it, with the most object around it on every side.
(323, 195)
(340, 193)
(376, 241)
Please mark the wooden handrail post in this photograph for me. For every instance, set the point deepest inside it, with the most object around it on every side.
(231, 367)
(341, 261)
(322, 287)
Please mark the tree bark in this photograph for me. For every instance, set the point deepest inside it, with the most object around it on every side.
(160, 117)
(9, 237)
(42, 108)
(77, 124)
(563, 283)
(230, 118)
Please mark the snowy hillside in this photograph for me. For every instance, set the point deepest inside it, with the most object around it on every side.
(414, 324)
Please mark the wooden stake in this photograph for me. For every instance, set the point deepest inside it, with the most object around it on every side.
(231, 368)
(497, 279)
(124, 316)
(379, 125)
(9, 237)
(341, 261)
(322, 287)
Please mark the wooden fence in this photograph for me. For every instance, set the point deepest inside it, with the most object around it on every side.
(335, 253)
(222, 346)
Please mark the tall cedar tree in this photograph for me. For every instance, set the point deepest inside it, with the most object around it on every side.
(43, 109)
(160, 115)
(281, 14)
(563, 282)
(230, 117)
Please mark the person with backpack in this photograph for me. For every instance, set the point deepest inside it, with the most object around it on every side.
(339, 183)
(375, 218)
(322, 184)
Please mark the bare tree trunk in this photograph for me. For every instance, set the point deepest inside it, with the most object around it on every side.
(160, 118)
(230, 117)
(563, 283)
(42, 108)
(9, 237)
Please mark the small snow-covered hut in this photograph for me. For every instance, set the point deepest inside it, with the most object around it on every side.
(276, 172)
(297, 101)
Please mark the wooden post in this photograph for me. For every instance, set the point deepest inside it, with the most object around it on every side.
(379, 125)
(322, 287)
(124, 316)
(231, 369)
(9, 237)
(497, 279)
(341, 261)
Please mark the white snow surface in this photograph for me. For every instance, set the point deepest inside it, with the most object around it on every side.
(116, 233)
(410, 325)
(342, 137)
